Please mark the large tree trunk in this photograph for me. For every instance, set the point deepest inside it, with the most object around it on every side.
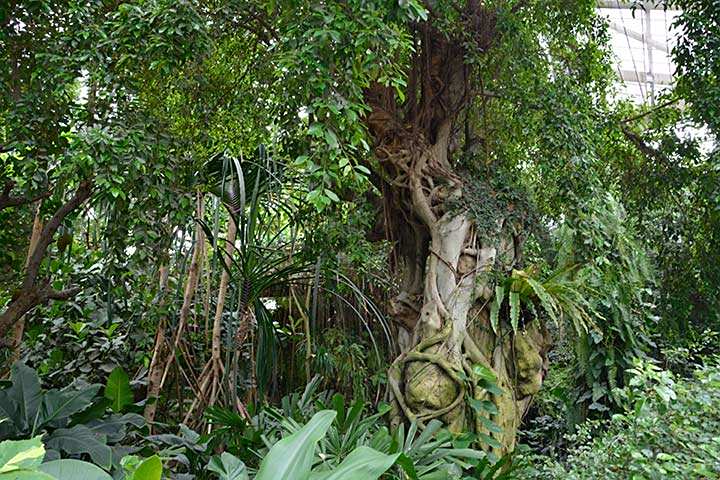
(447, 264)
(442, 313)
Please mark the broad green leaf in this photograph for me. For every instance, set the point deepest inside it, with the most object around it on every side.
(21, 454)
(118, 389)
(61, 404)
(484, 372)
(22, 399)
(80, 439)
(228, 467)
(26, 475)
(331, 139)
(292, 457)
(69, 469)
(149, 469)
(408, 466)
(514, 310)
(115, 426)
(490, 425)
(489, 440)
(363, 463)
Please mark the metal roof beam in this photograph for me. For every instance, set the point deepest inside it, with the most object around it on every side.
(628, 5)
(643, 77)
(640, 37)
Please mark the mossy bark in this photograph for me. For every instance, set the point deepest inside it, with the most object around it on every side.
(435, 376)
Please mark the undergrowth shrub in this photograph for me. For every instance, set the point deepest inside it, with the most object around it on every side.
(670, 429)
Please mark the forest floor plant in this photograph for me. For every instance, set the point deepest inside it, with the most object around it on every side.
(669, 429)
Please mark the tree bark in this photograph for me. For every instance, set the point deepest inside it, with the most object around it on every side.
(19, 327)
(155, 370)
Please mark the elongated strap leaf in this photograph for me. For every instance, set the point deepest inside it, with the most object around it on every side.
(495, 307)
(363, 463)
(292, 457)
(514, 310)
(545, 299)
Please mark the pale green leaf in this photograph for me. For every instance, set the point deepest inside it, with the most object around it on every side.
(292, 457)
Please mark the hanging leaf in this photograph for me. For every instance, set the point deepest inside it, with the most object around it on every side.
(514, 310)
(117, 390)
(545, 299)
(495, 307)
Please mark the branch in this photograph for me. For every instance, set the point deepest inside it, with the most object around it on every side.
(652, 110)
(82, 193)
(7, 200)
(62, 294)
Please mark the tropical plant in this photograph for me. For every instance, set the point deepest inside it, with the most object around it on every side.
(294, 457)
(618, 280)
(559, 296)
(72, 420)
(23, 460)
(670, 430)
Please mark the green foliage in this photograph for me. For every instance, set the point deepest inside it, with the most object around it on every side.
(617, 281)
(228, 467)
(559, 296)
(118, 390)
(293, 457)
(72, 418)
(142, 469)
(670, 431)
(22, 459)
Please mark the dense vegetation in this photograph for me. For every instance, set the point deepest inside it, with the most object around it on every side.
(354, 239)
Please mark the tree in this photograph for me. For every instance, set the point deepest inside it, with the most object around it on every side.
(74, 126)
(427, 99)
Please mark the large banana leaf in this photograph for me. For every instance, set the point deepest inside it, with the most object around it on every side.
(292, 457)
(80, 439)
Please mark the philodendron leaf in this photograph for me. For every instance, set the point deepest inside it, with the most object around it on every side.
(117, 390)
(363, 463)
(58, 405)
(22, 399)
(21, 454)
(69, 469)
(228, 467)
(80, 439)
(292, 457)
